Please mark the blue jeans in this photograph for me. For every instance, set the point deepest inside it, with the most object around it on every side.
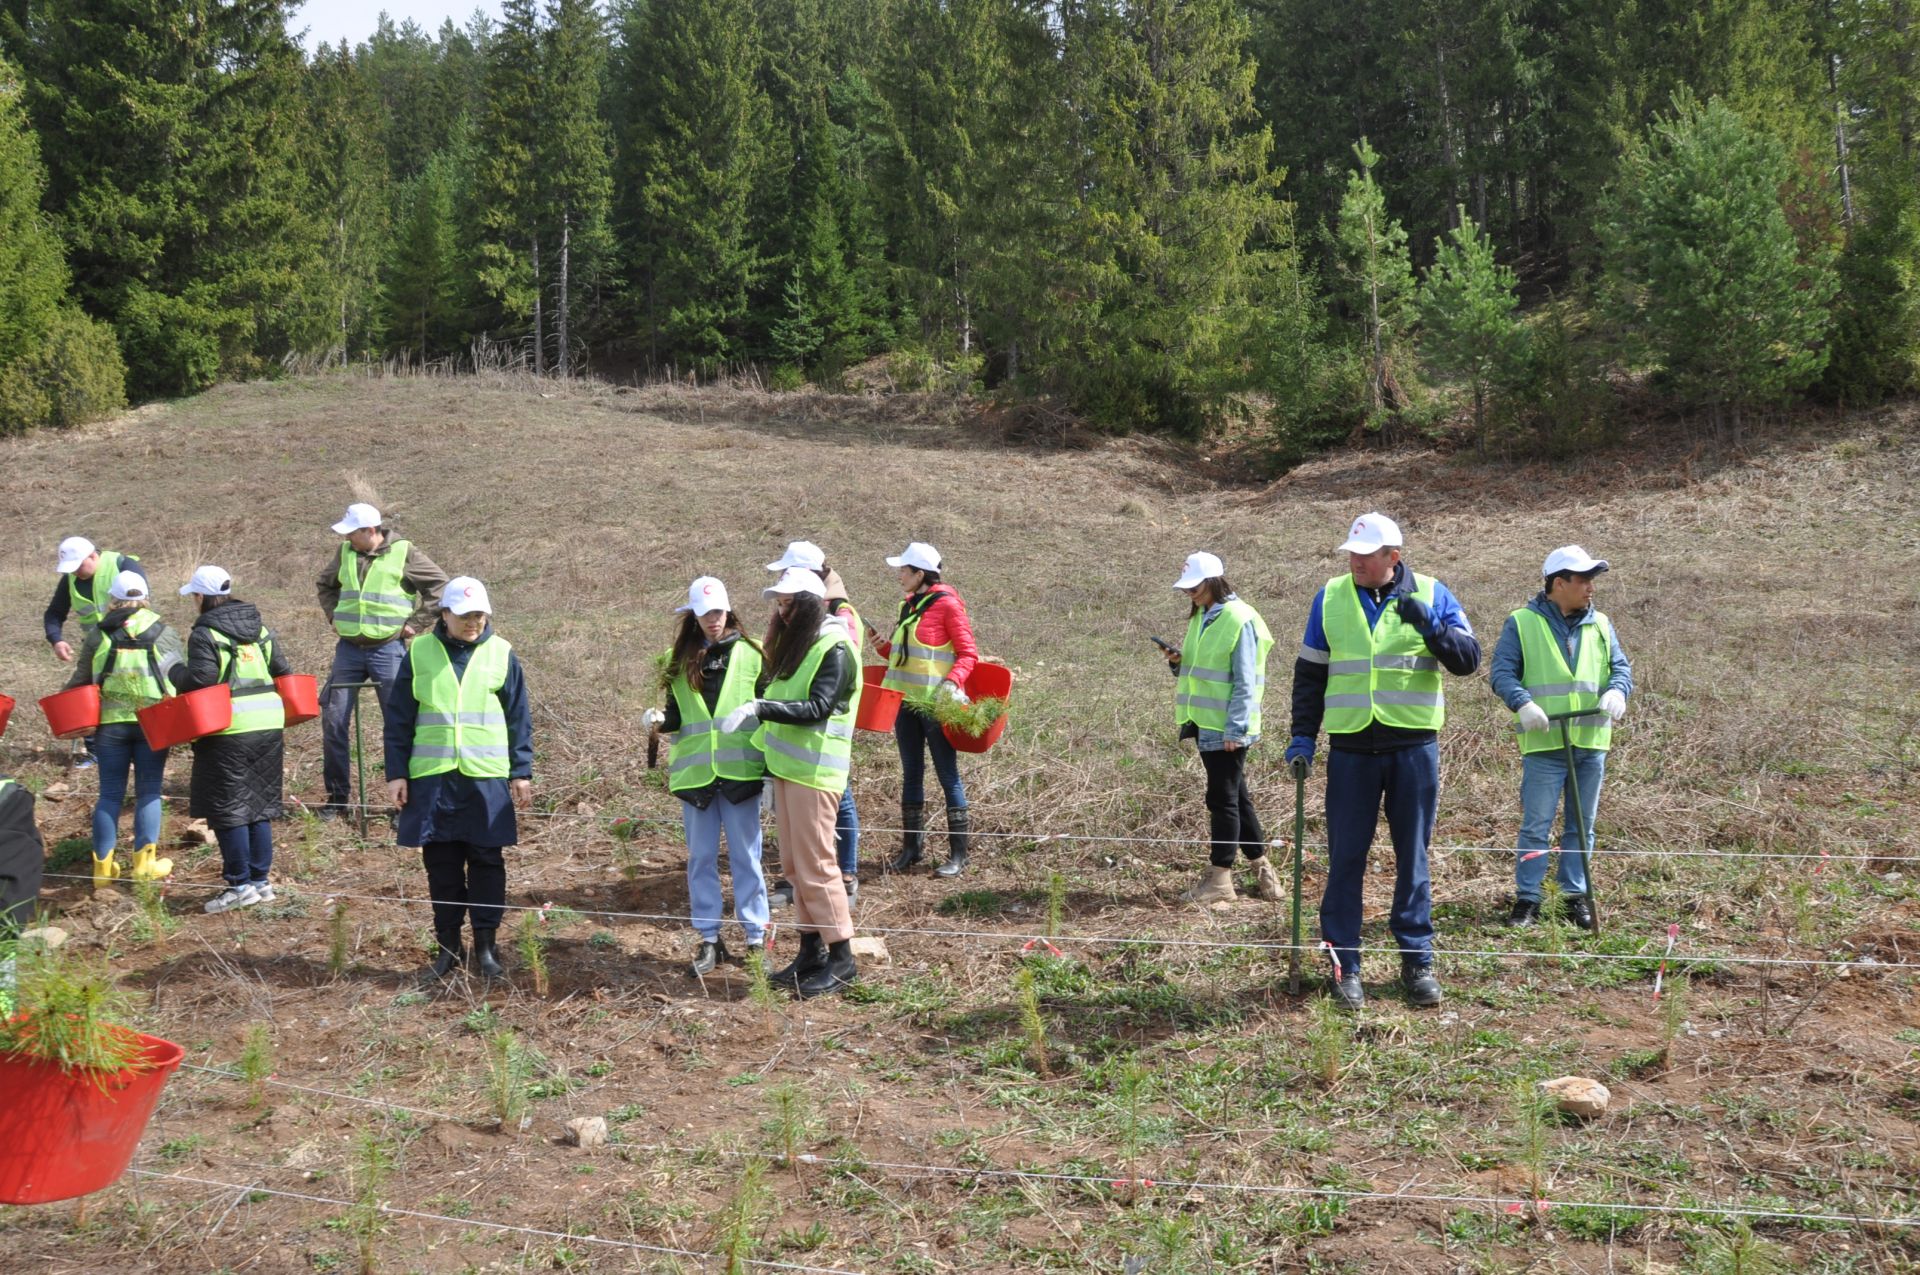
(246, 852)
(917, 735)
(119, 745)
(741, 822)
(1543, 778)
(353, 664)
(1407, 782)
(846, 835)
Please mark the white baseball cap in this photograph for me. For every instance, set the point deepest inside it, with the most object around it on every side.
(208, 582)
(922, 557)
(796, 580)
(1571, 558)
(705, 596)
(74, 550)
(128, 586)
(801, 553)
(1371, 533)
(358, 515)
(464, 595)
(1199, 566)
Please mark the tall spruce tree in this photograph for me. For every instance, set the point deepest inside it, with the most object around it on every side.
(575, 159)
(33, 271)
(422, 278)
(348, 178)
(694, 153)
(507, 204)
(1469, 314)
(1372, 247)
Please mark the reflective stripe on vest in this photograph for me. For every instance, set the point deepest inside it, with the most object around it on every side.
(1559, 689)
(257, 706)
(88, 612)
(1379, 673)
(129, 676)
(916, 670)
(461, 725)
(376, 606)
(1204, 689)
(819, 756)
(701, 752)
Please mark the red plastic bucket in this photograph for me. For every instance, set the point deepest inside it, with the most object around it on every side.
(878, 706)
(187, 717)
(301, 696)
(64, 1134)
(987, 681)
(73, 712)
(6, 711)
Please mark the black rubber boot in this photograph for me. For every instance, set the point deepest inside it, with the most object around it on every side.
(913, 836)
(835, 974)
(447, 960)
(959, 837)
(813, 955)
(486, 957)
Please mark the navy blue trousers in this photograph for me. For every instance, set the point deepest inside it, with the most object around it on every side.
(1406, 783)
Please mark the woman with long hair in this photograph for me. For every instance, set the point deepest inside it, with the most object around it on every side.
(717, 774)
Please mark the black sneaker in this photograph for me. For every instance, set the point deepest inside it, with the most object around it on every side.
(710, 953)
(1580, 912)
(1347, 990)
(835, 974)
(853, 889)
(781, 896)
(331, 811)
(1423, 989)
(1525, 912)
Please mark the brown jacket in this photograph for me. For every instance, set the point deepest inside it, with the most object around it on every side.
(423, 579)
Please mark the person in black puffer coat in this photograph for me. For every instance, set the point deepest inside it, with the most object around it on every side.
(237, 773)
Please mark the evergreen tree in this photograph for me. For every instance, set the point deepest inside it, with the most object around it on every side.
(422, 287)
(1372, 248)
(1706, 270)
(1876, 331)
(694, 155)
(169, 132)
(575, 179)
(349, 184)
(1470, 316)
(506, 186)
(33, 272)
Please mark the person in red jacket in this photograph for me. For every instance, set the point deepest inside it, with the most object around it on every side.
(931, 653)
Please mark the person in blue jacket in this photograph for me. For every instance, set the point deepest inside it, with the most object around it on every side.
(460, 815)
(1571, 643)
(1376, 640)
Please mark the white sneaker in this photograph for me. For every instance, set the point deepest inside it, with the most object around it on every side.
(265, 891)
(234, 896)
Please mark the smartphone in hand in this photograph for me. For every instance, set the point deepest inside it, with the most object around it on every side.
(1163, 644)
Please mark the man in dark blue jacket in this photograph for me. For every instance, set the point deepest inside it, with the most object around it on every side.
(1369, 670)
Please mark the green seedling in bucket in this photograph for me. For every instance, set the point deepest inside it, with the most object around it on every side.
(975, 717)
(68, 1011)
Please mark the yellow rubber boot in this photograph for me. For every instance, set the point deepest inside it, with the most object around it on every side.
(148, 867)
(104, 871)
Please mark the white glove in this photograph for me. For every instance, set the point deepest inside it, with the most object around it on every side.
(1532, 717)
(953, 692)
(739, 717)
(652, 718)
(1615, 704)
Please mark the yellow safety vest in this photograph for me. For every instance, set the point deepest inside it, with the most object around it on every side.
(1204, 687)
(461, 725)
(244, 666)
(127, 672)
(374, 606)
(1559, 689)
(701, 752)
(818, 756)
(1380, 673)
(916, 670)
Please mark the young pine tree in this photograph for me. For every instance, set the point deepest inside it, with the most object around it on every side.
(1704, 267)
(1470, 324)
(1373, 258)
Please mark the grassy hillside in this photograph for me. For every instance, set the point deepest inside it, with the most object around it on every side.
(1768, 600)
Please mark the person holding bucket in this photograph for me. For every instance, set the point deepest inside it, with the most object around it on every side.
(1221, 669)
(932, 653)
(459, 752)
(81, 591)
(131, 654)
(846, 836)
(1558, 655)
(809, 693)
(379, 590)
(718, 776)
(238, 773)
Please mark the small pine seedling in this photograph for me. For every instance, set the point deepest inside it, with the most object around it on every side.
(1056, 903)
(153, 920)
(1328, 1032)
(371, 1160)
(531, 939)
(760, 989)
(1673, 1017)
(1532, 1112)
(339, 938)
(507, 1078)
(1132, 1086)
(737, 1230)
(256, 1063)
(1031, 1023)
(791, 1122)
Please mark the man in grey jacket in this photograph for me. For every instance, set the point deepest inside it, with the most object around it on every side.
(1557, 655)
